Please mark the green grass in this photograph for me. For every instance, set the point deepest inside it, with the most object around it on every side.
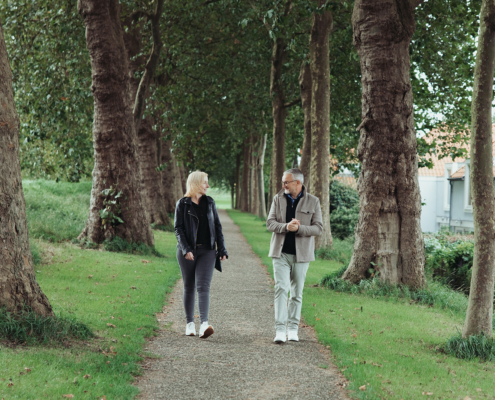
(56, 211)
(116, 295)
(390, 346)
(221, 197)
(96, 288)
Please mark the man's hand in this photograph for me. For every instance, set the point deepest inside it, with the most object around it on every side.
(223, 258)
(190, 256)
(293, 226)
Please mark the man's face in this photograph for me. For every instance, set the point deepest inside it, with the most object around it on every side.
(289, 184)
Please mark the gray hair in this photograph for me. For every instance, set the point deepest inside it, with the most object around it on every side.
(296, 173)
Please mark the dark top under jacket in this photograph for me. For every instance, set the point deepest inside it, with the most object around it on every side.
(290, 237)
(187, 224)
(203, 236)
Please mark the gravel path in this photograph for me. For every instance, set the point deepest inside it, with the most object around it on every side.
(239, 360)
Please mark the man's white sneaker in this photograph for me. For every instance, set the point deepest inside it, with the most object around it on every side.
(190, 329)
(280, 337)
(292, 336)
(205, 330)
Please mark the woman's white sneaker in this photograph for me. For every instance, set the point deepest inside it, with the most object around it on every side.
(205, 330)
(292, 336)
(190, 329)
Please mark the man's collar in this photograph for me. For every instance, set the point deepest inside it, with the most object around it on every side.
(301, 193)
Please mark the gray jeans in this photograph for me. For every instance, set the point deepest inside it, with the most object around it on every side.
(197, 276)
(289, 275)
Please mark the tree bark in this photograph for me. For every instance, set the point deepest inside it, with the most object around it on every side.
(253, 209)
(238, 182)
(114, 134)
(171, 179)
(279, 113)
(319, 51)
(480, 307)
(261, 179)
(183, 177)
(388, 232)
(305, 87)
(245, 175)
(18, 285)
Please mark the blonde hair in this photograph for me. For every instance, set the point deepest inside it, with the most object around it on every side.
(194, 181)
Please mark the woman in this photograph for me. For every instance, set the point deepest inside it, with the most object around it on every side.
(198, 228)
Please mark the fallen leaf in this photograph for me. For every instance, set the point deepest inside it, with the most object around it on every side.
(133, 287)
(90, 276)
(110, 325)
(64, 98)
(467, 398)
(145, 261)
(29, 370)
(363, 388)
(10, 384)
(317, 319)
(478, 389)
(87, 376)
(68, 396)
(428, 394)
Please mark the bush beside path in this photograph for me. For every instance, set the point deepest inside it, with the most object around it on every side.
(240, 360)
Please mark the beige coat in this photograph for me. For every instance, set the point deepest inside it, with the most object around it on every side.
(308, 212)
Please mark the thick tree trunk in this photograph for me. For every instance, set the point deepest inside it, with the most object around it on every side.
(279, 113)
(480, 307)
(305, 88)
(388, 231)
(171, 180)
(18, 285)
(261, 179)
(253, 209)
(320, 118)
(114, 135)
(151, 179)
(238, 182)
(245, 174)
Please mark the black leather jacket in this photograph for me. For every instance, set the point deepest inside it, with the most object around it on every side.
(186, 226)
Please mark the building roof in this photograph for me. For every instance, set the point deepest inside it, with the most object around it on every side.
(439, 164)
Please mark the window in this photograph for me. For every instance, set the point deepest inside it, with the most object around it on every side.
(468, 207)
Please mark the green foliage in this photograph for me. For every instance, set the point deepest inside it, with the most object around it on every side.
(110, 215)
(340, 251)
(344, 210)
(119, 245)
(476, 346)
(36, 252)
(56, 211)
(449, 262)
(31, 328)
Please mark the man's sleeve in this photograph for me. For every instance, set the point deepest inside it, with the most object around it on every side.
(271, 222)
(316, 226)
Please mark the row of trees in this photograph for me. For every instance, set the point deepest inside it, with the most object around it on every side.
(177, 87)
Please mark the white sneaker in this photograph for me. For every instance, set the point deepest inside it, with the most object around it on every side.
(280, 337)
(190, 329)
(205, 330)
(292, 336)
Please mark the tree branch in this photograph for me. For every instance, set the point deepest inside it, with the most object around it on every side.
(292, 103)
(267, 25)
(150, 66)
(416, 3)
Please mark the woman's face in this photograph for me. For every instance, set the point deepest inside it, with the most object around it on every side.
(204, 187)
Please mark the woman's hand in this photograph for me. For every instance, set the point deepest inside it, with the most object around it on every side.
(223, 258)
(190, 256)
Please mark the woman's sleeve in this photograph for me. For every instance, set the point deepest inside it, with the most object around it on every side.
(222, 251)
(179, 228)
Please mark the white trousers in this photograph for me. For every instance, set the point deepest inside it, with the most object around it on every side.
(289, 275)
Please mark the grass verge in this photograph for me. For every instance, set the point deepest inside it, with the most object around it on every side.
(393, 348)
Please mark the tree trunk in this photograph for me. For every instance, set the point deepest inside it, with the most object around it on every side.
(238, 182)
(253, 209)
(245, 175)
(320, 118)
(232, 196)
(305, 87)
(261, 179)
(388, 231)
(114, 134)
(183, 175)
(18, 285)
(480, 307)
(279, 113)
(171, 181)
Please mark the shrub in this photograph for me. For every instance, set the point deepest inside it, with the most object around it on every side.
(476, 346)
(341, 251)
(450, 263)
(29, 327)
(342, 196)
(119, 245)
(344, 210)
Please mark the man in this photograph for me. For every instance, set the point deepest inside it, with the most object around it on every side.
(294, 219)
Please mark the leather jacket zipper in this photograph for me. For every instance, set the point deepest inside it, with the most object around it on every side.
(197, 227)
